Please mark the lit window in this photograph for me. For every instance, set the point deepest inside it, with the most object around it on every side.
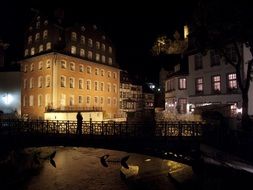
(110, 61)
(39, 100)
(88, 100)
(63, 81)
(48, 81)
(63, 64)
(80, 84)
(102, 86)
(40, 65)
(232, 83)
(109, 87)
(82, 52)
(96, 71)
(109, 74)
(32, 67)
(90, 43)
(233, 109)
(31, 100)
(114, 88)
(80, 99)
(97, 57)
(96, 100)
(182, 83)
(71, 100)
(81, 68)
(72, 66)
(103, 59)
(199, 86)
(182, 105)
(88, 85)
(73, 36)
(114, 75)
(103, 47)
(48, 46)
(216, 84)
(71, 82)
(26, 52)
(89, 70)
(31, 83)
(102, 72)
(48, 64)
(110, 49)
(101, 100)
(40, 82)
(89, 54)
(32, 51)
(24, 100)
(82, 39)
(45, 34)
(40, 48)
(73, 49)
(37, 36)
(96, 86)
(37, 25)
(97, 45)
(25, 83)
(30, 39)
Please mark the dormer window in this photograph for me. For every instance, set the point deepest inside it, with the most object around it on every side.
(37, 36)
(45, 33)
(73, 36)
(90, 43)
(82, 28)
(30, 39)
(37, 25)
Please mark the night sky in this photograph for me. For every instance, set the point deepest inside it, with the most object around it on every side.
(132, 26)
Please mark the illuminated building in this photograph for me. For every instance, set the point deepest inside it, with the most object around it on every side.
(66, 69)
(207, 80)
(134, 96)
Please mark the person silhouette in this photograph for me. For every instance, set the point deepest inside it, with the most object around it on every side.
(79, 118)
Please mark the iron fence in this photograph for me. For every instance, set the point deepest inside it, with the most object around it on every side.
(103, 128)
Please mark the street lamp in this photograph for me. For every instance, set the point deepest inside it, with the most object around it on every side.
(7, 99)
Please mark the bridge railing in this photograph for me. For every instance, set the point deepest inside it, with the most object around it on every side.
(104, 128)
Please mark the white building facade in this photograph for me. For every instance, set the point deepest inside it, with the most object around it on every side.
(210, 80)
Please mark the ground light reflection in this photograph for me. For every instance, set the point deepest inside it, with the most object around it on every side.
(80, 168)
(69, 168)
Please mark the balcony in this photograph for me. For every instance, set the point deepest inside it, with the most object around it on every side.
(72, 109)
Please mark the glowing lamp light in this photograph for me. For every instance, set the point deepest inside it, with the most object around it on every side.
(239, 110)
(7, 99)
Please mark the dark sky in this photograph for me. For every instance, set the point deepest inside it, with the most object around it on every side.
(132, 26)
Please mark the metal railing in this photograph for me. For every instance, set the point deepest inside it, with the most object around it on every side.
(103, 128)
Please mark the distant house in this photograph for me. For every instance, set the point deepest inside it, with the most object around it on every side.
(207, 80)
